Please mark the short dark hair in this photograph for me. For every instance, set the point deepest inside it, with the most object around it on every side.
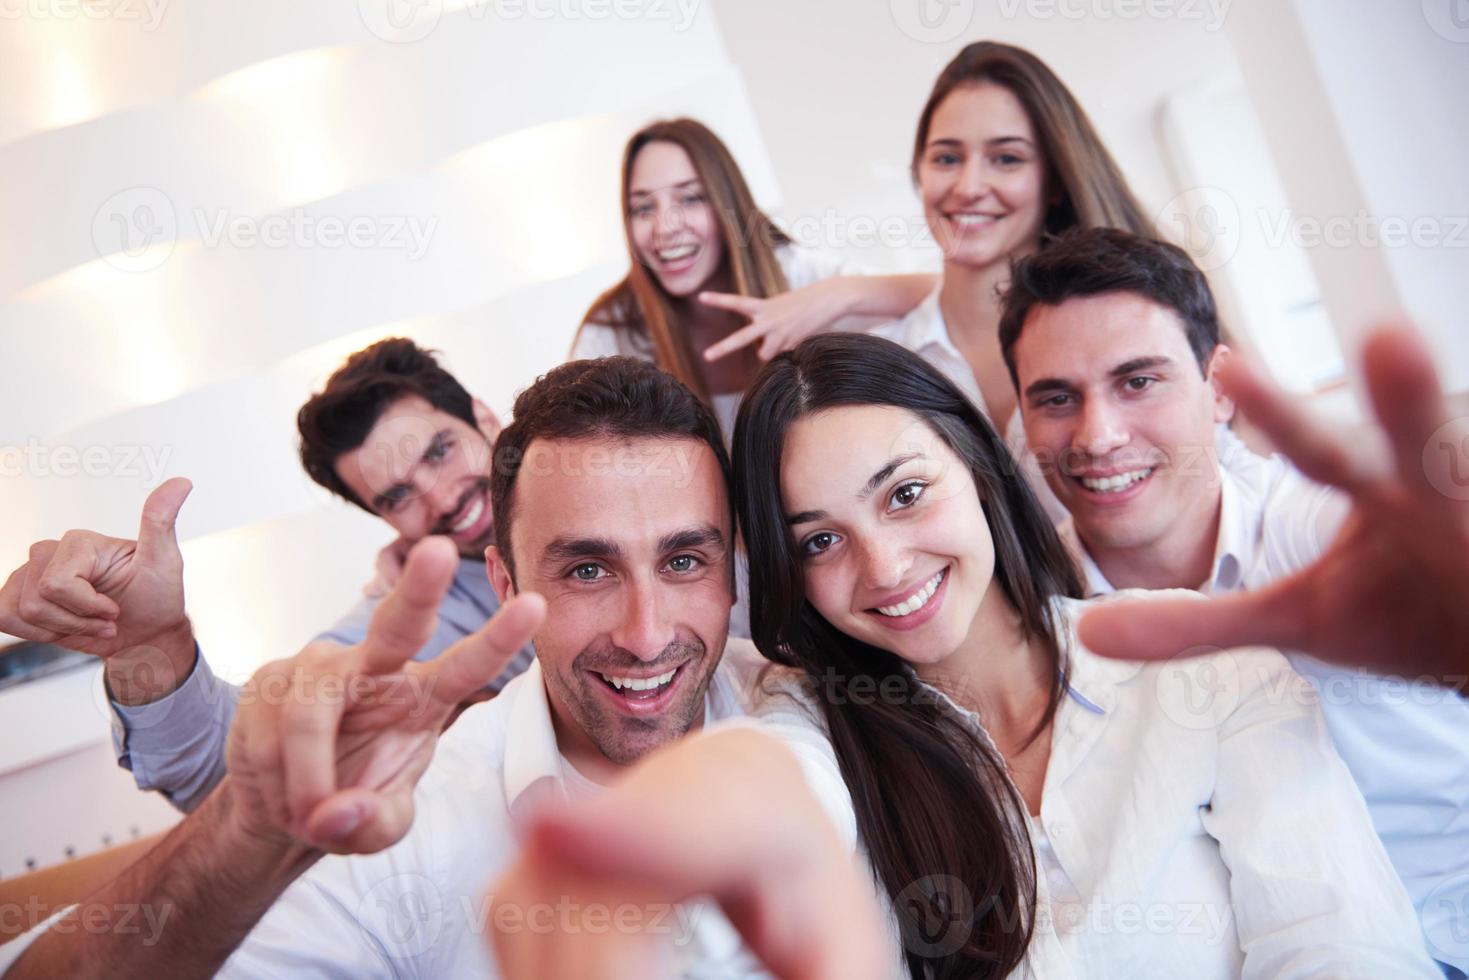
(1092, 261)
(337, 419)
(609, 397)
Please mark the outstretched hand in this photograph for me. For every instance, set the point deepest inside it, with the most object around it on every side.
(1391, 593)
(777, 323)
(726, 815)
(327, 746)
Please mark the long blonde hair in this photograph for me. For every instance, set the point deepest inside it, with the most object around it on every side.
(639, 304)
(1093, 192)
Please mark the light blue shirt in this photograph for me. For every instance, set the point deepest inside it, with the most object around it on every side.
(176, 744)
(1405, 741)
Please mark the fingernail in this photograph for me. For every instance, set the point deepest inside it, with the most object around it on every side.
(341, 823)
(107, 631)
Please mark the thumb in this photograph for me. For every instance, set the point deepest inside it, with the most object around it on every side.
(157, 538)
(1162, 628)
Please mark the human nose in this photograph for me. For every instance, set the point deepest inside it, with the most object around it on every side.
(646, 629)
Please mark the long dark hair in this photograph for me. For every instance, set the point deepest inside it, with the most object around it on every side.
(933, 802)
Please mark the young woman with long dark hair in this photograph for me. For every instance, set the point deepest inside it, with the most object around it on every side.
(917, 588)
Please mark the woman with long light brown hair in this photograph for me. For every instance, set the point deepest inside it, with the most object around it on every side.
(1004, 159)
(711, 270)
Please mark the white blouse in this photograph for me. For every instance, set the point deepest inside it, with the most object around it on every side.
(802, 267)
(1195, 822)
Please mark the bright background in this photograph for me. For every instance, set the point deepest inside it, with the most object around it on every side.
(1308, 151)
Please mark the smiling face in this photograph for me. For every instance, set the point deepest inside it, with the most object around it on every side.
(675, 231)
(424, 471)
(1122, 418)
(982, 177)
(629, 542)
(894, 544)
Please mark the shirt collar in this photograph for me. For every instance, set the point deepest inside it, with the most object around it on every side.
(1231, 547)
(924, 326)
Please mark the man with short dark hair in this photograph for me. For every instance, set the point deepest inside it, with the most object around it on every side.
(392, 432)
(615, 550)
(1113, 343)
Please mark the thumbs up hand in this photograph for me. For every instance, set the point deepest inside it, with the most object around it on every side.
(113, 598)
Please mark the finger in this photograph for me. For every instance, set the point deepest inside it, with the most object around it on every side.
(255, 740)
(734, 302)
(1160, 629)
(1406, 395)
(479, 658)
(360, 821)
(405, 619)
(742, 337)
(1318, 452)
(157, 537)
(67, 579)
(11, 621)
(309, 722)
(36, 609)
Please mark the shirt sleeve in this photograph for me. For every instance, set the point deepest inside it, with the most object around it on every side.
(176, 744)
(1312, 889)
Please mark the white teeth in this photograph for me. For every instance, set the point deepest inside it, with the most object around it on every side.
(1112, 484)
(917, 600)
(467, 522)
(639, 683)
(967, 221)
(674, 254)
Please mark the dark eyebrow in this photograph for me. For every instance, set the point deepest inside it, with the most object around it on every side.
(1044, 386)
(704, 536)
(568, 549)
(1140, 364)
(873, 482)
(381, 500)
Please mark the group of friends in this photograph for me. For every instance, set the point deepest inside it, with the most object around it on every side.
(776, 632)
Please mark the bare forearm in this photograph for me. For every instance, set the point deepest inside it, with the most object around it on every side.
(886, 296)
(179, 911)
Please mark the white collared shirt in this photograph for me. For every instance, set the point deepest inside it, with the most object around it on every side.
(420, 908)
(1405, 741)
(1195, 822)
